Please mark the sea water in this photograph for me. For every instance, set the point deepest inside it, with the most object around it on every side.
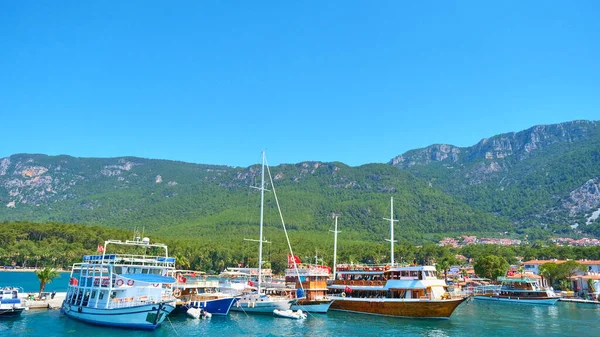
(472, 318)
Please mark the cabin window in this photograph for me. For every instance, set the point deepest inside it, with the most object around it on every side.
(101, 295)
(413, 273)
(118, 270)
(93, 294)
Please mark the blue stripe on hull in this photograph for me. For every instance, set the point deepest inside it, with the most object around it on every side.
(550, 301)
(219, 306)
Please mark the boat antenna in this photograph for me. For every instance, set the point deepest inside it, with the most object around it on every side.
(335, 231)
(391, 240)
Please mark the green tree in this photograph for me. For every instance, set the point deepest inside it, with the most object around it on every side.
(490, 266)
(45, 276)
(182, 261)
(550, 271)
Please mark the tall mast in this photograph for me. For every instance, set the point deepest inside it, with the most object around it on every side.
(391, 240)
(260, 239)
(335, 246)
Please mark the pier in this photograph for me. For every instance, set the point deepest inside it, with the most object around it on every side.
(46, 303)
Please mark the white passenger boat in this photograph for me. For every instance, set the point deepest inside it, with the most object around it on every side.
(125, 289)
(520, 290)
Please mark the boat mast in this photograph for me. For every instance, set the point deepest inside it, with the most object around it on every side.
(391, 240)
(335, 246)
(260, 239)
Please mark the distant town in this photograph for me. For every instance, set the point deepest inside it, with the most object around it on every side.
(466, 240)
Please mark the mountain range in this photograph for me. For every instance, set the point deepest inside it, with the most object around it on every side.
(541, 181)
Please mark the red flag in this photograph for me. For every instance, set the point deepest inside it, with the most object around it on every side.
(250, 283)
(181, 279)
(510, 273)
(100, 249)
(193, 274)
(292, 259)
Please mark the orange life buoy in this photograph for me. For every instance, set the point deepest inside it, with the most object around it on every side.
(119, 282)
(130, 282)
(177, 292)
(371, 283)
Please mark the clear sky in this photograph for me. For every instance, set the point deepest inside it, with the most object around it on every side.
(215, 82)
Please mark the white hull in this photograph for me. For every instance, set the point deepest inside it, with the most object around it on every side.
(546, 301)
(147, 316)
(320, 308)
(261, 307)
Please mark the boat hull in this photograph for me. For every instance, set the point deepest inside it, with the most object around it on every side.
(315, 306)
(542, 301)
(259, 307)
(12, 312)
(147, 316)
(436, 309)
(219, 306)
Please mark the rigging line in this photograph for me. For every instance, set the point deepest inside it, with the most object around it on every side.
(177, 333)
(283, 224)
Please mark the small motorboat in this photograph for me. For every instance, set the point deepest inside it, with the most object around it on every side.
(298, 314)
(10, 302)
(198, 313)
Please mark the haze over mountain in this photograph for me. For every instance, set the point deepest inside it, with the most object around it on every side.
(541, 180)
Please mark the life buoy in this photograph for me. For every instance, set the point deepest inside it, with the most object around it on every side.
(130, 282)
(119, 282)
(371, 283)
(155, 285)
(177, 292)
(343, 294)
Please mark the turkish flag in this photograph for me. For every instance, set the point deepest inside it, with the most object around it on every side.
(292, 259)
(100, 249)
(193, 274)
(181, 279)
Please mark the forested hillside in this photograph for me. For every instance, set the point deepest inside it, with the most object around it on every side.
(540, 182)
(546, 177)
(179, 199)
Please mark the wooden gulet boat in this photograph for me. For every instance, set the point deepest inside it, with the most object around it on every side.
(411, 291)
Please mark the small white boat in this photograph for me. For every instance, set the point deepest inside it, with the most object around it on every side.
(298, 314)
(198, 313)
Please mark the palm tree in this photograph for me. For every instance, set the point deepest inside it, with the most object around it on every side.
(182, 261)
(45, 276)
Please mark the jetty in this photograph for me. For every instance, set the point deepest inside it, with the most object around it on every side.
(46, 302)
(580, 301)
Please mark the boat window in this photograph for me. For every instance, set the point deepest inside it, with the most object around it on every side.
(413, 273)
(118, 270)
(101, 295)
(93, 294)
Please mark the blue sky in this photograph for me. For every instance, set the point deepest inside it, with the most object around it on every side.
(215, 82)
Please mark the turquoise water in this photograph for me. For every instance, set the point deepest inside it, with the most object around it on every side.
(30, 283)
(474, 318)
